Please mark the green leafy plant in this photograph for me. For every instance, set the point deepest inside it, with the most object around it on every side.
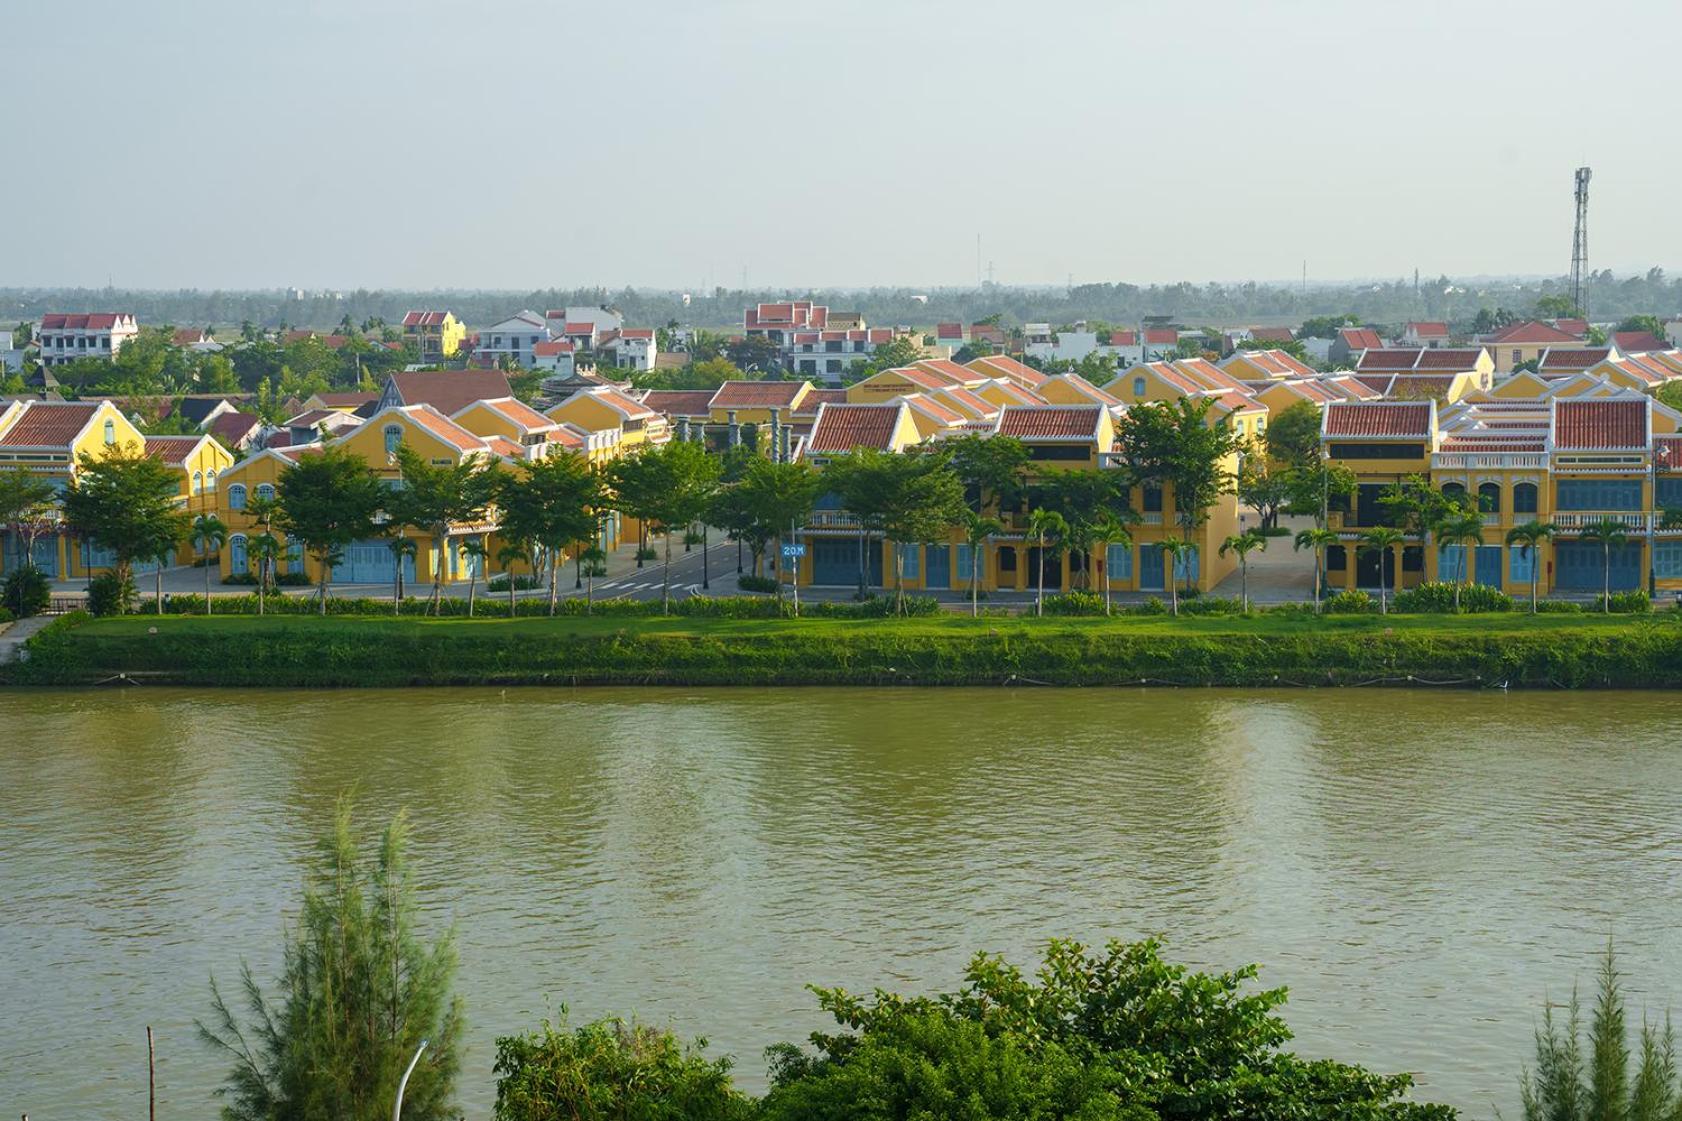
(110, 594)
(1354, 602)
(25, 592)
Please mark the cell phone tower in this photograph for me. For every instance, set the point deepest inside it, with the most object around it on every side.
(1580, 243)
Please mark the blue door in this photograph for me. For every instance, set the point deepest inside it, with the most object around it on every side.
(1150, 568)
(45, 553)
(1487, 565)
(937, 571)
(835, 561)
(371, 562)
(1579, 566)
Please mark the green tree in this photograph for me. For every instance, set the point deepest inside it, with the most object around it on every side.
(436, 499)
(1528, 538)
(1383, 541)
(991, 468)
(1174, 443)
(666, 488)
(1319, 540)
(1263, 486)
(125, 501)
(1609, 534)
(358, 993)
(1104, 530)
(28, 509)
(265, 550)
(754, 353)
(779, 498)
(1315, 487)
(918, 498)
(1326, 326)
(1241, 545)
(1293, 437)
(474, 550)
(1466, 531)
(978, 530)
(327, 501)
(209, 535)
(1176, 552)
(1555, 306)
(1651, 324)
(554, 502)
(1049, 530)
(612, 1071)
(402, 549)
(506, 556)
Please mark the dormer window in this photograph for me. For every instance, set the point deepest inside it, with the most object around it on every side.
(393, 438)
(110, 433)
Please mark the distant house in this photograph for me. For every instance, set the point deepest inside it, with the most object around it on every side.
(1272, 334)
(201, 411)
(1124, 347)
(1673, 332)
(11, 357)
(1638, 342)
(631, 347)
(950, 335)
(557, 356)
(1519, 343)
(1428, 335)
(1348, 344)
(600, 319)
(1060, 346)
(65, 338)
(448, 391)
(437, 334)
(236, 431)
(514, 338)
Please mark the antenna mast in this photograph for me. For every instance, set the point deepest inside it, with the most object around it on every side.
(1580, 243)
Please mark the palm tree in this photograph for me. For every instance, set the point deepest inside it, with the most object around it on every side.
(265, 547)
(1319, 540)
(1106, 530)
(262, 512)
(1242, 545)
(1529, 537)
(1607, 533)
(1175, 549)
(1044, 525)
(1382, 540)
(977, 532)
(474, 550)
(1466, 531)
(506, 556)
(402, 548)
(594, 558)
(208, 533)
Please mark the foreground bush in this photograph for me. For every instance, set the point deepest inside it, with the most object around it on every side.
(748, 582)
(109, 595)
(609, 1071)
(1438, 597)
(709, 607)
(1632, 602)
(1354, 602)
(1074, 603)
(25, 592)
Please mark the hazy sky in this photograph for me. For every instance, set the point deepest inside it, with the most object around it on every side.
(537, 143)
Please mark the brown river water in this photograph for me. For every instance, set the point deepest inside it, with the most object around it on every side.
(1420, 868)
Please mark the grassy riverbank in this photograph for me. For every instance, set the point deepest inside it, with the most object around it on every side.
(1517, 650)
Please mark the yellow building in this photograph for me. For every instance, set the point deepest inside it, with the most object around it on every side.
(604, 408)
(437, 334)
(1265, 365)
(1514, 345)
(200, 460)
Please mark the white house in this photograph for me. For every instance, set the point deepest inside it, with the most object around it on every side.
(555, 355)
(601, 318)
(632, 347)
(1673, 332)
(515, 337)
(1071, 346)
(11, 357)
(65, 338)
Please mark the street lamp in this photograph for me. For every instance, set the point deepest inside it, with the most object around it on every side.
(397, 1106)
(1660, 455)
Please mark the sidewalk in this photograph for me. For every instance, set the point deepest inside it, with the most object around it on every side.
(15, 635)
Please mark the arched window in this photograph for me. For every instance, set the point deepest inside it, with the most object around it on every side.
(265, 490)
(237, 562)
(393, 437)
(1524, 498)
(236, 497)
(294, 555)
(110, 432)
(210, 482)
(1489, 497)
(1454, 492)
(198, 482)
(1139, 386)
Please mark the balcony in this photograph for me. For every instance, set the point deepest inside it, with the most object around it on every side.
(832, 519)
(1637, 522)
(1487, 461)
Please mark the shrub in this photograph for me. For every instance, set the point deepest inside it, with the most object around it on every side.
(5, 616)
(1558, 607)
(1304, 610)
(1274, 531)
(108, 595)
(1351, 602)
(25, 592)
(240, 579)
(872, 607)
(611, 1069)
(1212, 605)
(1074, 603)
(1437, 598)
(1153, 605)
(292, 580)
(522, 581)
(1629, 603)
(751, 583)
(647, 554)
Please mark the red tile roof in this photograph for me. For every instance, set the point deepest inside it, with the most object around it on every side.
(1638, 342)
(1530, 331)
(450, 391)
(951, 373)
(1001, 365)
(841, 428)
(1573, 358)
(679, 402)
(1588, 424)
(1450, 358)
(1397, 358)
(637, 333)
(48, 424)
(757, 394)
(1429, 330)
(346, 400)
(1384, 420)
(1360, 338)
(91, 321)
(1274, 362)
(1577, 327)
(1486, 444)
(1272, 334)
(949, 331)
(444, 428)
(424, 319)
(1161, 336)
(548, 348)
(172, 450)
(233, 429)
(1124, 338)
(1404, 386)
(1050, 422)
(815, 397)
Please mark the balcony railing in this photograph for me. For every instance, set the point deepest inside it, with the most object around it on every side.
(832, 519)
(1635, 521)
(1470, 461)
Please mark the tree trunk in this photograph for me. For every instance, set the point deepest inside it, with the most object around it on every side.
(1107, 609)
(1039, 582)
(511, 601)
(1244, 584)
(974, 585)
(1173, 587)
(1535, 571)
(899, 581)
(321, 589)
(207, 578)
(441, 543)
(472, 588)
(666, 578)
(862, 569)
(554, 562)
(1606, 579)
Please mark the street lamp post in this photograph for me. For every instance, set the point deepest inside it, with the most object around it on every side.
(397, 1106)
(1660, 455)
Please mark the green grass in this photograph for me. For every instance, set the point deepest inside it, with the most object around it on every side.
(1516, 649)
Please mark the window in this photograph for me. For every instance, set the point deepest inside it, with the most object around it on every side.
(1059, 452)
(1667, 559)
(911, 561)
(1524, 498)
(393, 438)
(1489, 497)
(1454, 492)
(1153, 500)
(1139, 386)
(1452, 562)
(1118, 562)
(1413, 558)
(1186, 566)
(1376, 451)
(237, 560)
(1670, 492)
(110, 433)
(1337, 558)
(1518, 356)
(1521, 565)
(198, 482)
(265, 491)
(966, 563)
(236, 497)
(210, 482)
(1598, 494)
(1007, 558)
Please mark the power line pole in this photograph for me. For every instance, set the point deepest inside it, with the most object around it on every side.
(1580, 242)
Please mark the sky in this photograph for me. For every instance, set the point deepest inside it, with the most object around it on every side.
(523, 144)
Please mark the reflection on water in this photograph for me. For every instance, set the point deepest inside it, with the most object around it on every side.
(1419, 868)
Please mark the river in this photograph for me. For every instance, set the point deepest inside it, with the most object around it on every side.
(1420, 868)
